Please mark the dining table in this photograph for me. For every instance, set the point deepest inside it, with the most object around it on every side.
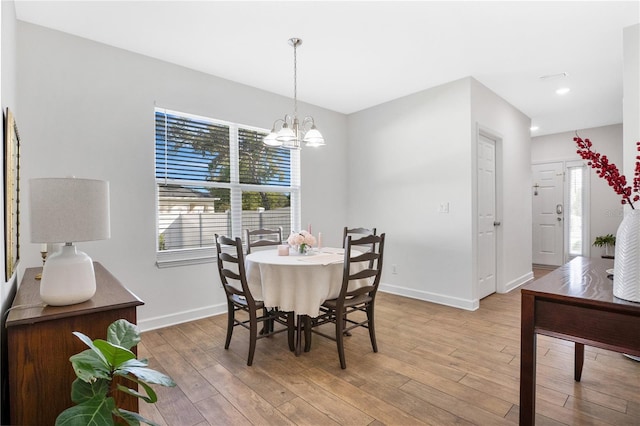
(295, 282)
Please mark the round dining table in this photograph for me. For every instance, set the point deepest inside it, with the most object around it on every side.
(297, 283)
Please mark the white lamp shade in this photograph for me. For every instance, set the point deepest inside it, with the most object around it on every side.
(271, 139)
(69, 210)
(313, 137)
(286, 134)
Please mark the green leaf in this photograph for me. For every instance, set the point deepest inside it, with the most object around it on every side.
(150, 396)
(145, 374)
(87, 341)
(82, 391)
(114, 354)
(94, 412)
(90, 366)
(133, 418)
(123, 333)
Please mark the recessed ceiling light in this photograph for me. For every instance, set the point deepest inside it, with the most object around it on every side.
(563, 91)
(534, 128)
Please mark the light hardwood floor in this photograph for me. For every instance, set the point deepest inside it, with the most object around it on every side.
(435, 365)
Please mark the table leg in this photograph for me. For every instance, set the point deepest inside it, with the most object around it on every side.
(527, 362)
(299, 319)
(579, 361)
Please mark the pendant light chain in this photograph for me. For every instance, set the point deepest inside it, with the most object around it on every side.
(295, 79)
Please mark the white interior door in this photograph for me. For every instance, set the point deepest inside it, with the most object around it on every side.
(548, 214)
(486, 216)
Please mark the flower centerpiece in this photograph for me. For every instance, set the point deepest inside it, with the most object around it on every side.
(626, 273)
(303, 240)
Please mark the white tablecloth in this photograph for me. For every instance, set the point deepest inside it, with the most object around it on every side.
(296, 283)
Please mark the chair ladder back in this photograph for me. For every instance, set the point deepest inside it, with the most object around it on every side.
(355, 232)
(374, 269)
(237, 260)
(265, 237)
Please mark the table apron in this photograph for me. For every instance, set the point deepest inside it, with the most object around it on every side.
(593, 326)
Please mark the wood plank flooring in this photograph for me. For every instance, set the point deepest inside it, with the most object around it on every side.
(436, 365)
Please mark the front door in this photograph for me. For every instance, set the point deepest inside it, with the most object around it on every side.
(548, 214)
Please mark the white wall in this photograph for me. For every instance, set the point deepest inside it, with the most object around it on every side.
(408, 156)
(8, 99)
(493, 114)
(605, 210)
(87, 110)
(631, 96)
(417, 152)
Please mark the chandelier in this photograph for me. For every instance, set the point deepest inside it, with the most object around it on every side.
(291, 130)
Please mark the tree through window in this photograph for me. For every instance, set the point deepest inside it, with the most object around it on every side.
(216, 177)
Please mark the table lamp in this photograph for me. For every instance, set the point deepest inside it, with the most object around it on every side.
(68, 210)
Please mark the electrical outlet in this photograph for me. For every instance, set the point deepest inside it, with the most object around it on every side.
(444, 207)
(394, 269)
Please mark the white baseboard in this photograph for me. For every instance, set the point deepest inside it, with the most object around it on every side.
(468, 305)
(195, 314)
(181, 317)
(513, 284)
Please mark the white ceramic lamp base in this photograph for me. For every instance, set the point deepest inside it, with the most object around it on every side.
(67, 278)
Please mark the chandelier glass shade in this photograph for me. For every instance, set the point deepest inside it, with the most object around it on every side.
(289, 132)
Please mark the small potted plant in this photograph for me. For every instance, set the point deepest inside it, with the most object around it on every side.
(607, 241)
(97, 367)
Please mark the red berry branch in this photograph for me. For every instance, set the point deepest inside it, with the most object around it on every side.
(610, 172)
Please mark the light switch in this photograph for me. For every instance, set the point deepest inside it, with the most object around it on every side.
(444, 207)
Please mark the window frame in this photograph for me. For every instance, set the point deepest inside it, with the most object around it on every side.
(198, 255)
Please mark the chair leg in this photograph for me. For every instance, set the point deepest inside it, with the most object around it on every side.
(230, 323)
(253, 336)
(307, 333)
(372, 328)
(340, 339)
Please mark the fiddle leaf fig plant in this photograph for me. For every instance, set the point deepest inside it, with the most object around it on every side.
(97, 367)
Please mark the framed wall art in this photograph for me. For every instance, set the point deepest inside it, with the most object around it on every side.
(11, 194)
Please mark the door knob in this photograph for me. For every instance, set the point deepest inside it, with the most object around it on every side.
(496, 223)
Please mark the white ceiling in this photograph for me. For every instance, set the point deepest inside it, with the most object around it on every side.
(359, 54)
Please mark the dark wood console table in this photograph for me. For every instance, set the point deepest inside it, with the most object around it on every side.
(40, 344)
(575, 302)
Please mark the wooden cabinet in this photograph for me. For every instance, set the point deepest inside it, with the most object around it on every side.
(40, 344)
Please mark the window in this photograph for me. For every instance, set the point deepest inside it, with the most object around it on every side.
(217, 177)
(577, 227)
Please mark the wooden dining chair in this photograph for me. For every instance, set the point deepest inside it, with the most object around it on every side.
(262, 238)
(358, 267)
(357, 233)
(239, 298)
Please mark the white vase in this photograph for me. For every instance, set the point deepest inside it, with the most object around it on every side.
(626, 275)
